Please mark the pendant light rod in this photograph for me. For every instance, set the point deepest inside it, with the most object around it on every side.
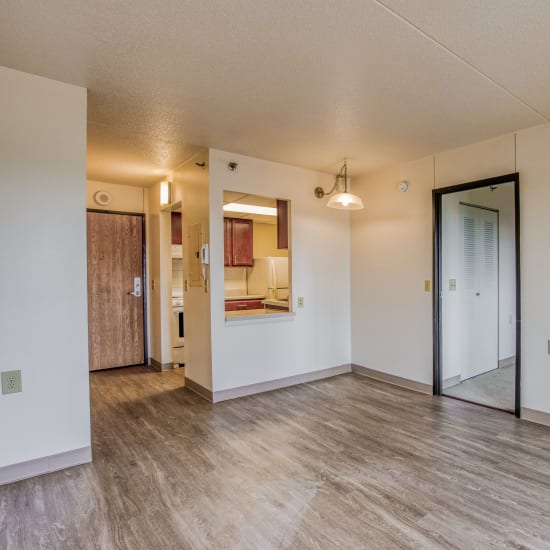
(343, 173)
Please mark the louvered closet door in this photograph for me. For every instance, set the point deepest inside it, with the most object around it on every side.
(480, 290)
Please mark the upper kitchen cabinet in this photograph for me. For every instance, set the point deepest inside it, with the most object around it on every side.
(238, 241)
(176, 227)
(282, 224)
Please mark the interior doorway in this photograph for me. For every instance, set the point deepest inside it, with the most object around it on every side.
(476, 293)
(116, 302)
(177, 279)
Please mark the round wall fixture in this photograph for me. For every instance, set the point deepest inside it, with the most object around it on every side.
(103, 198)
(404, 186)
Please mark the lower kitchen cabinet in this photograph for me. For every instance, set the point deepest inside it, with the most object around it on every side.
(242, 305)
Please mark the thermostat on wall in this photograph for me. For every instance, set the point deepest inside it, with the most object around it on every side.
(103, 198)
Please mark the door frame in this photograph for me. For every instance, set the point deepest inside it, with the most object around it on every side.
(437, 200)
(144, 284)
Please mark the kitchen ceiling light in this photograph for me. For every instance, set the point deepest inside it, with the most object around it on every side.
(343, 200)
(165, 193)
(249, 209)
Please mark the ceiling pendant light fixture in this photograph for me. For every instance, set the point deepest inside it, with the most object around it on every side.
(341, 200)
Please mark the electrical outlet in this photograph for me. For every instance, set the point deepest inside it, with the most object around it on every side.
(11, 381)
(300, 301)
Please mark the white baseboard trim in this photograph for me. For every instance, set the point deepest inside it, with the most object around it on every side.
(199, 389)
(261, 387)
(392, 379)
(161, 367)
(507, 361)
(452, 381)
(45, 465)
(532, 415)
(234, 393)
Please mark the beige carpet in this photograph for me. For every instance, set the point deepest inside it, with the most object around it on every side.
(495, 388)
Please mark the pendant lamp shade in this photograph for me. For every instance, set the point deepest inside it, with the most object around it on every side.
(341, 200)
(345, 201)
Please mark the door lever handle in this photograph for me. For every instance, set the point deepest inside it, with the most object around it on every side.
(137, 288)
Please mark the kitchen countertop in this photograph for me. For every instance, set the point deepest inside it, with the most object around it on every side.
(256, 314)
(274, 302)
(245, 297)
(245, 312)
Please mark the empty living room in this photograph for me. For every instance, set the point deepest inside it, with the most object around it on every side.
(274, 275)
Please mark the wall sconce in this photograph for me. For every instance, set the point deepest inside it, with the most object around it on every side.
(165, 192)
(342, 201)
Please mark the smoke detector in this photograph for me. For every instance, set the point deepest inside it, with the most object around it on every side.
(103, 198)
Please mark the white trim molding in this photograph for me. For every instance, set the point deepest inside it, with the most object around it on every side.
(243, 391)
(532, 415)
(45, 465)
(392, 379)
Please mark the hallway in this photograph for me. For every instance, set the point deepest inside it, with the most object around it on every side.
(345, 462)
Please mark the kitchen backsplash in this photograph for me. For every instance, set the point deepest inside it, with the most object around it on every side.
(177, 273)
(235, 281)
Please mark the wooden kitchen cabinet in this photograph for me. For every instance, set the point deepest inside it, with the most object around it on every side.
(242, 305)
(282, 224)
(227, 242)
(176, 227)
(238, 241)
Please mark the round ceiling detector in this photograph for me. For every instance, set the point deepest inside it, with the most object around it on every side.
(103, 198)
(404, 186)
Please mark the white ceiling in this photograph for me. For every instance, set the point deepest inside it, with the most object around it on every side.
(305, 82)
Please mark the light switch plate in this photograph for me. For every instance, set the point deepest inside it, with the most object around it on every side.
(11, 381)
(452, 285)
(300, 301)
(427, 285)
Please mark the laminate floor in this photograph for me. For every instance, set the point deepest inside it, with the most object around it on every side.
(346, 462)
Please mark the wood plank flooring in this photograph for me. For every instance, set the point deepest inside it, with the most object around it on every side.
(346, 462)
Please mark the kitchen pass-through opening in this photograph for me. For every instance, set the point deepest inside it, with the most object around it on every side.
(257, 257)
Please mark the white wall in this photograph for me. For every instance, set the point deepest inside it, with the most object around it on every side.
(391, 257)
(318, 336)
(125, 198)
(191, 187)
(533, 162)
(392, 243)
(159, 278)
(43, 320)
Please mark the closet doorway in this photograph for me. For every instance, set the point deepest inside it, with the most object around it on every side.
(477, 337)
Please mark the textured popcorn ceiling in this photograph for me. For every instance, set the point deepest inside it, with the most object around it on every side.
(300, 82)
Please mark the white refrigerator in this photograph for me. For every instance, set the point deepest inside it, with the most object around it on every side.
(269, 277)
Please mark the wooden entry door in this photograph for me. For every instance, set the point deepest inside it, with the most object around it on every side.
(115, 310)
